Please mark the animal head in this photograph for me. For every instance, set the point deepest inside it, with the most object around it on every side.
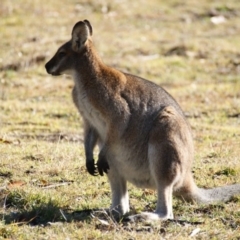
(64, 60)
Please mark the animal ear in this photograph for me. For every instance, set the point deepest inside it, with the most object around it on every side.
(89, 26)
(80, 34)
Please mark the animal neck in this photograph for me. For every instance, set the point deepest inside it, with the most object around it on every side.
(95, 80)
(89, 67)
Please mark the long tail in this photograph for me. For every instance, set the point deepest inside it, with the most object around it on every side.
(190, 192)
(219, 194)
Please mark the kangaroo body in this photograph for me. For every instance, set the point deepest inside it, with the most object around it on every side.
(141, 131)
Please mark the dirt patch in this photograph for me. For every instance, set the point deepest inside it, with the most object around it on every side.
(16, 66)
(53, 137)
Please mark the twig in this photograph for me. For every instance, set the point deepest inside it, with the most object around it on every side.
(65, 218)
(3, 188)
(195, 232)
(104, 212)
(56, 185)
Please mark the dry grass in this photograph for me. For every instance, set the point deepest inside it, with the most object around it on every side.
(45, 190)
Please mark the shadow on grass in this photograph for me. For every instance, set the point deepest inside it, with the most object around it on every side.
(21, 208)
(46, 214)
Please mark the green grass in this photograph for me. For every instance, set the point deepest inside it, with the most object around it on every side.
(172, 43)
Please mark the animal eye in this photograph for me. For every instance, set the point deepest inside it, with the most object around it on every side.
(62, 54)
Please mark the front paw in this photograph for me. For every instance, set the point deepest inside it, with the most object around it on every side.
(91, 167)
(102, 165)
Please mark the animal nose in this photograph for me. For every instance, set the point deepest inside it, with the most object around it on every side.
(47, 68)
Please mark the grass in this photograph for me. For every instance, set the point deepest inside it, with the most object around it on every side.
(45, 191)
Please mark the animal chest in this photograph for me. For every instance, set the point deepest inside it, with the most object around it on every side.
(90, 113)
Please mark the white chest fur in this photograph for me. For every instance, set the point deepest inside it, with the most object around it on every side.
(88, 111)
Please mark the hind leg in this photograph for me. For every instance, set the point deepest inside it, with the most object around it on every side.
(168, 158)
(164, 202)
(120, 198)
(170, 154)
(164, 206)
(165, 169)
(164, 173)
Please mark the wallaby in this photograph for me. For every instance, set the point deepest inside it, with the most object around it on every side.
(142, 133)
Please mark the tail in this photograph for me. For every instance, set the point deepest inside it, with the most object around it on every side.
(219, 194)
(190, 192)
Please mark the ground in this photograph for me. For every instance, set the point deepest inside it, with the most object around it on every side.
(191, 48)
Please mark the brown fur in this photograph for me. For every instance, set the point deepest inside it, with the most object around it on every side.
(140, 129)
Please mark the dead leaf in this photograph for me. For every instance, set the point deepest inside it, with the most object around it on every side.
(43, 183)
(5, 141)
(2, 140)
(148, 192)
(15, 184)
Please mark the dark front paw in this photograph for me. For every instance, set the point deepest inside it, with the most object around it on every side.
(91, 167)
(102, 166)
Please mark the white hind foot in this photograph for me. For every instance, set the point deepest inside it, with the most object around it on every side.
(147, 216)
(164, 209)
